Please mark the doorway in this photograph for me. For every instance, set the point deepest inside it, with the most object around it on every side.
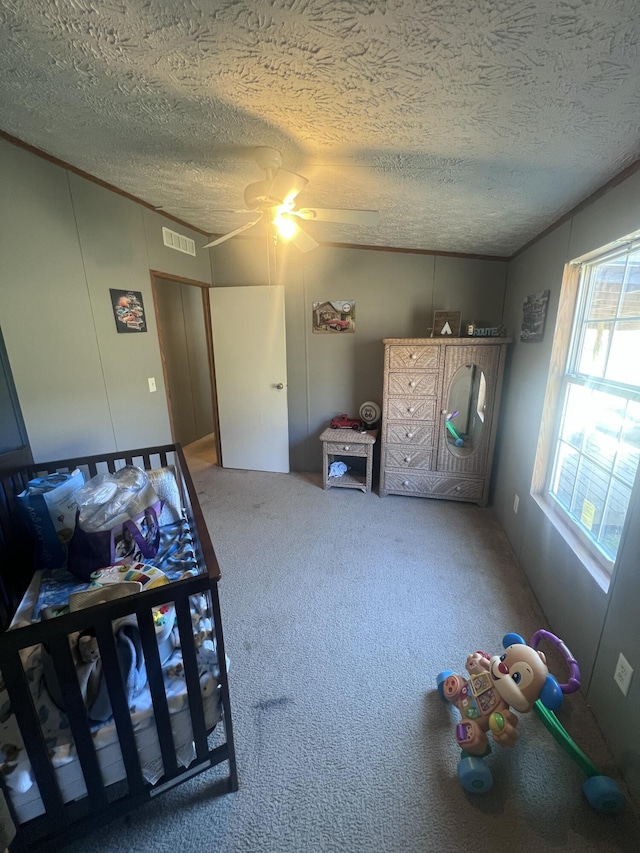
(184, 330)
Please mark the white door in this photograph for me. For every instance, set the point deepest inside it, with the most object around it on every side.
(251, 376)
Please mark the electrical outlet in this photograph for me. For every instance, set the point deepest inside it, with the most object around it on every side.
(516, 504)
(152, 384)
(623, 674)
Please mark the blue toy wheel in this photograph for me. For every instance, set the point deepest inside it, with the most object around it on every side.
(603, 794)
(474, 775)
(440, 680)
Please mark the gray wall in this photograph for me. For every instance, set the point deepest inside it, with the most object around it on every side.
(595, 623)
(64, 241)
(395, 295)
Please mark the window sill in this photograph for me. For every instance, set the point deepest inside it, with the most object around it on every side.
(591, 564)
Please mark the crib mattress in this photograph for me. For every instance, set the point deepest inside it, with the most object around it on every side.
(29, 804)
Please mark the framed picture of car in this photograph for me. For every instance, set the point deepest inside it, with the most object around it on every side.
(128, 310)
(335, 317)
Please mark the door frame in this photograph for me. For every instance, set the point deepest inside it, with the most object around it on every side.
(206, 312)
(21, 454)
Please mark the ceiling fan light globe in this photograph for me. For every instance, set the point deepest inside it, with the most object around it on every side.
(286, 227)
(286, 230)
(298, 236)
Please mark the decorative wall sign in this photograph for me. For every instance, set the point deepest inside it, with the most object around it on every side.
(534, 316)
(128, 310)
(485, 330)
(338, 315)
(446, 323)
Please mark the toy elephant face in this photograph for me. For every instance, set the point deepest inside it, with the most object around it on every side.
(519, 675)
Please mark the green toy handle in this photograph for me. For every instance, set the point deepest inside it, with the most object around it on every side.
(563, 739)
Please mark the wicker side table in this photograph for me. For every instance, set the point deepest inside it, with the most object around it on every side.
(340, 444)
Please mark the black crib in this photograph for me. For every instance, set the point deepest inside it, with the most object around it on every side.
(104, 803)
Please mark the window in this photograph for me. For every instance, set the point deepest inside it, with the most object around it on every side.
(596, 449)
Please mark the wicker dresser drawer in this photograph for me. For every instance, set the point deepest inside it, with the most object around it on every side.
(410, 409)
(339, 447)
(433, 485)
(414, 356)
(403, 456)
(415, 434)
(415, 384)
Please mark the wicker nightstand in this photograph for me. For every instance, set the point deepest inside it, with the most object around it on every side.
(340, 445)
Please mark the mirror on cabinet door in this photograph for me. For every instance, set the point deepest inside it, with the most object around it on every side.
(464, 416)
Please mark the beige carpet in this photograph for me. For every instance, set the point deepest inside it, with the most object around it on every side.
(339, 610)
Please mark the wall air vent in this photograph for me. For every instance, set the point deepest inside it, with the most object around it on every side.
(178, 241)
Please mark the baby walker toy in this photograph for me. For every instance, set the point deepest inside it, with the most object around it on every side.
(519, 679)
(458, 440)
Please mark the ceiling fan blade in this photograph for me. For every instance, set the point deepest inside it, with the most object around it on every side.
(349, 217)
(233, 233)
(203, 207)
(286, 185)
(300, 239)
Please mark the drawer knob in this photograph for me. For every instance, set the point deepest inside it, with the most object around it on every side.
(413, 356)
(346, 447)
(411, 410)
(457, 488)
(405, 483)
(407, 459)
(412, 385)
(409, 435)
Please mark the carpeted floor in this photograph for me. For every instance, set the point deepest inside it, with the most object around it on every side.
(339, 610)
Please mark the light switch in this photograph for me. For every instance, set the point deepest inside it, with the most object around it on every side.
(152, 384)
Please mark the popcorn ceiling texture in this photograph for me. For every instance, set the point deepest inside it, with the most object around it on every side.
(471, 125)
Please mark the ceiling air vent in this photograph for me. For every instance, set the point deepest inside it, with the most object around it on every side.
(178, 241)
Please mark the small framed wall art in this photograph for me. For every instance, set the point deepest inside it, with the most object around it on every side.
(339, 315)
(534, 316)
(128, 310)
(446, 324)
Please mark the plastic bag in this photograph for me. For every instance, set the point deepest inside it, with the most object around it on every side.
(49, 506)
(117, 521)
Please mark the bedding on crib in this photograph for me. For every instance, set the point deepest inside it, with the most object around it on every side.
(51, 589)
(143, 636)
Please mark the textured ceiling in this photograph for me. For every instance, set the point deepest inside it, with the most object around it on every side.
(471, 125)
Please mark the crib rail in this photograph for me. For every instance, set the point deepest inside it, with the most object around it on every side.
(102, 803)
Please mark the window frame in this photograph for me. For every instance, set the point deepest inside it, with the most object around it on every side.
(563, 373)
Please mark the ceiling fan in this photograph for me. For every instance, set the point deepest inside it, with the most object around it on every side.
(275, 196)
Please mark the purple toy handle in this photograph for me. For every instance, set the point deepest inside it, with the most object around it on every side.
(573, 684)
